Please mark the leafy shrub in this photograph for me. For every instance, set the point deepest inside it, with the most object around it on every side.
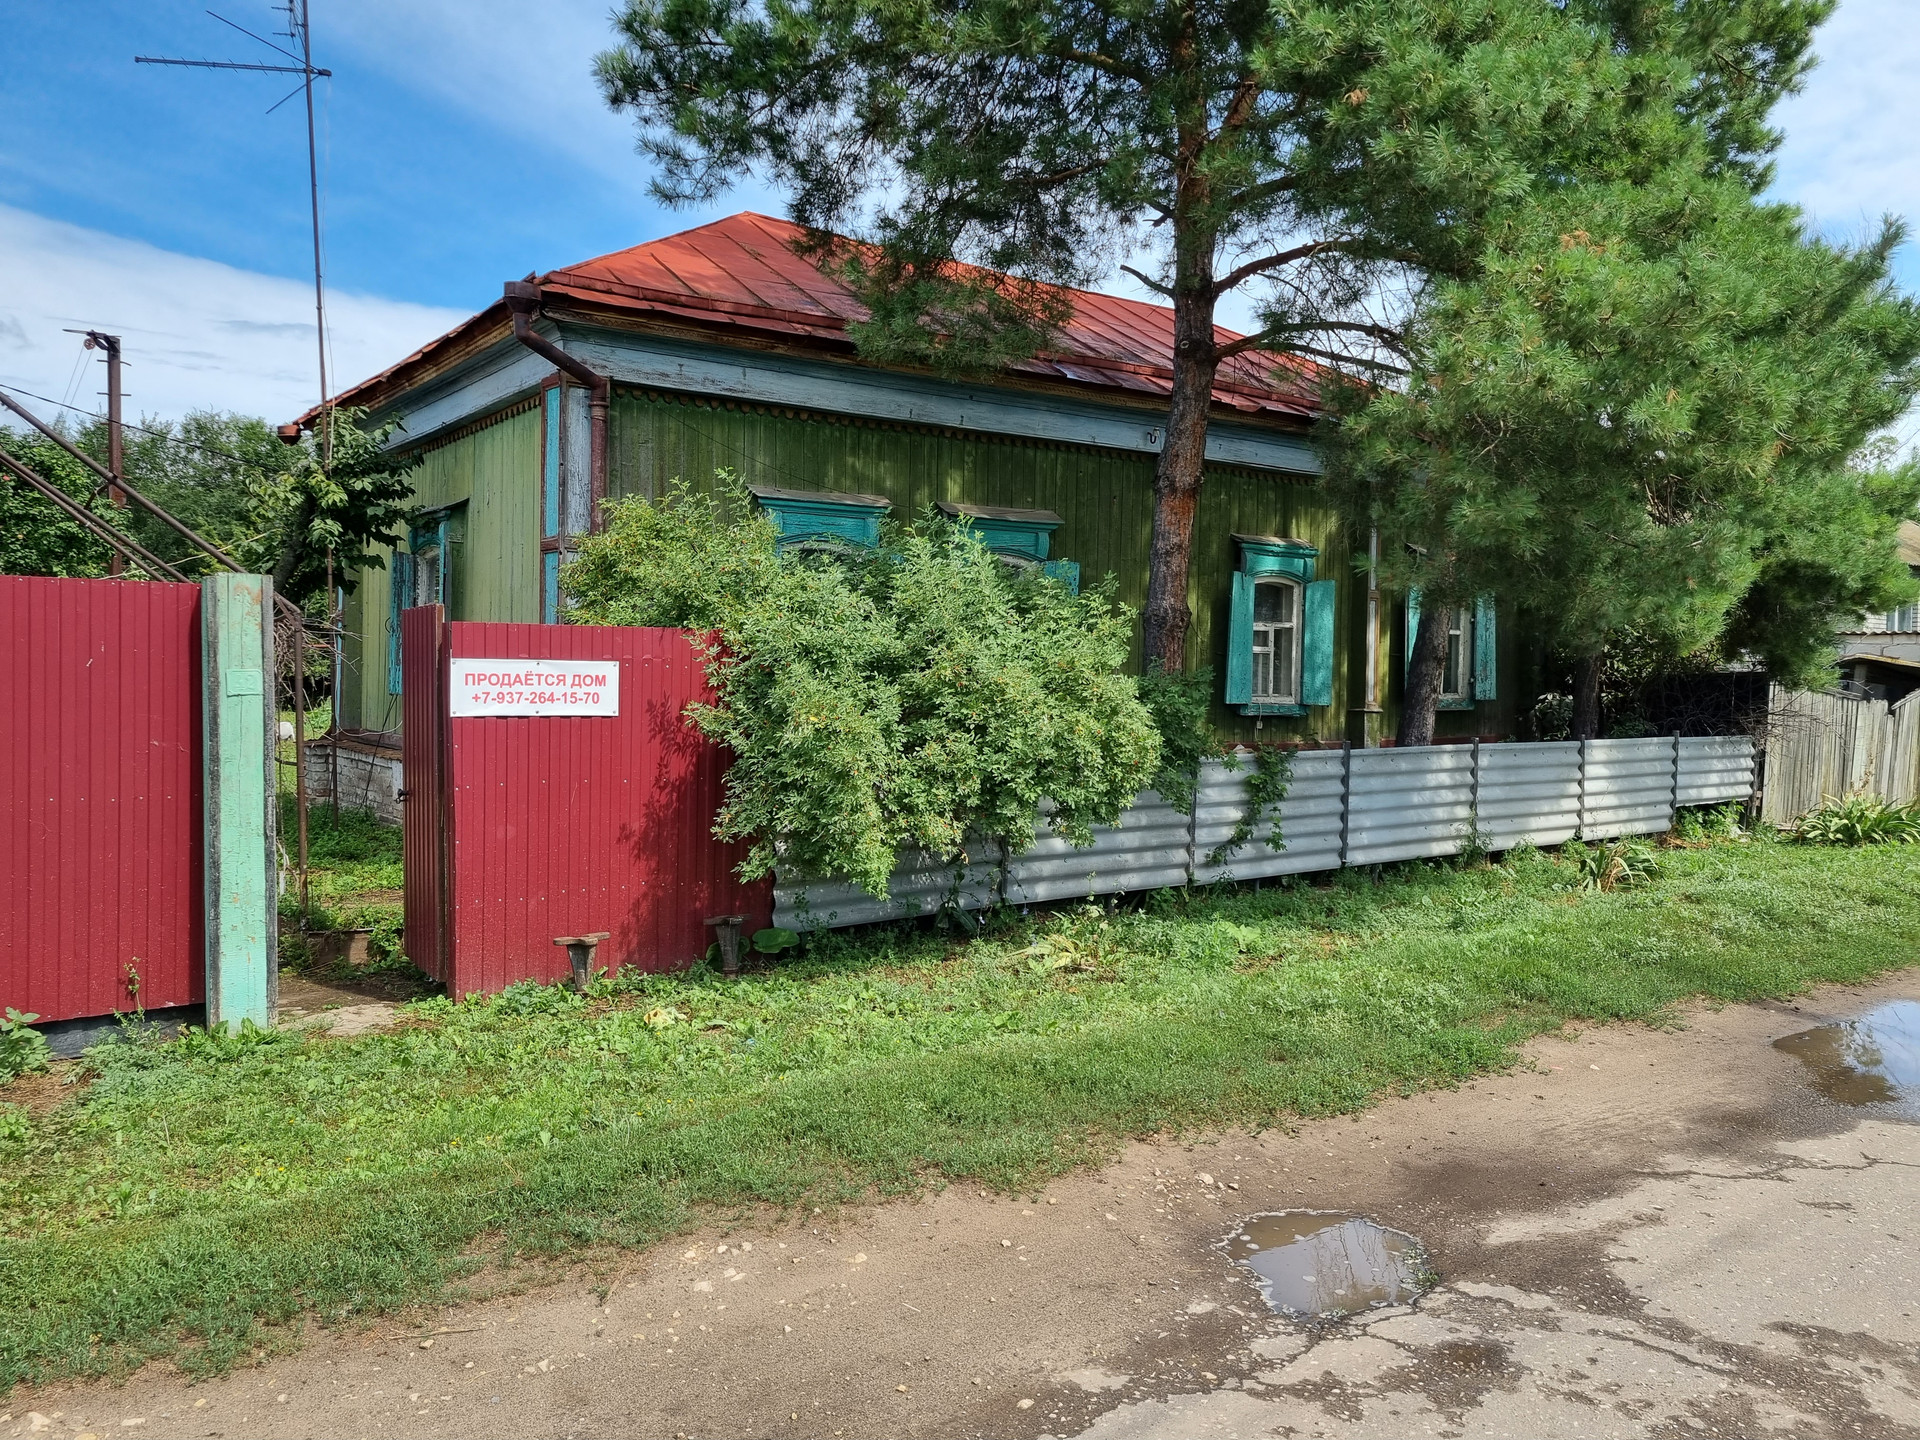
(1860, 820)
(920, 694)
(1178, 702)
(22, 1048)
(1617, 865)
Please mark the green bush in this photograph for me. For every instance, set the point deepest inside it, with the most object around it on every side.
(919, 694)
(1859, 820)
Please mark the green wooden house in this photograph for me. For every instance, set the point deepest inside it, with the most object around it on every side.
(721, 347)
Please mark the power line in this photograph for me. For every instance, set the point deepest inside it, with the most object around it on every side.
(164, 435)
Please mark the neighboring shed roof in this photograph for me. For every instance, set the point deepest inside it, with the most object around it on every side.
(741, 275)
(1907, 541)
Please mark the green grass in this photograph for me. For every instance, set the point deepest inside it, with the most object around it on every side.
(355, 875)
(200, 1190)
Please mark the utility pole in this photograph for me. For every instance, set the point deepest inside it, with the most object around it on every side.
(116, 447)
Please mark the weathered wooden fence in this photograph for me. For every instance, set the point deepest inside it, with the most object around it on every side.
(1822, 745)
(1343, 807)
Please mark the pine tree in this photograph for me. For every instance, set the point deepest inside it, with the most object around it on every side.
(1326, 156)
(1644, 417)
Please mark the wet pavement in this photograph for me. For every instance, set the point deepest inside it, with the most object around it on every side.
(1707, 1230)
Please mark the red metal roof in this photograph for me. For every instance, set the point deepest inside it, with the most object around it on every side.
(742, 273)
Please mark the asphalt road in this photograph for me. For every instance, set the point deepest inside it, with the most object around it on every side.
(1659, 1233)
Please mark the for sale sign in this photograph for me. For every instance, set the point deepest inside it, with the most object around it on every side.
(536, 687)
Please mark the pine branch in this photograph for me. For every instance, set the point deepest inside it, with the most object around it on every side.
(1263, 339)
(1151, 284)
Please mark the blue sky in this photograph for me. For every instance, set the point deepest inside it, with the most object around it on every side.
(462, 144)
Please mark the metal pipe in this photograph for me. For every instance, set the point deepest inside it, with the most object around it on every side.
(299, 758)
(120, 483)
(291, 610)
(152, 564)
(523, 299)
(319, 293)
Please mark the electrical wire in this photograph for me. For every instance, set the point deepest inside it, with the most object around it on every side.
(164, 435)
(73, 380)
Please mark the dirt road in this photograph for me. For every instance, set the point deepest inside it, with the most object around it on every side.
(1651, 1233)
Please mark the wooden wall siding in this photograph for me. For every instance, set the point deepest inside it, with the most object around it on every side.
(495, 469)
(1104, 497)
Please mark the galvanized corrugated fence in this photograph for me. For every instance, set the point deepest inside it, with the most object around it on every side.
(1343, 807)
(1822, 745)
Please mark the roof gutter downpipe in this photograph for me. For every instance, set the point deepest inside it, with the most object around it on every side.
(523, 300)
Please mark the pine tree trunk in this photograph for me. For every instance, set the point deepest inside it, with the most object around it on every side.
(1177, 476)
(1426, 668)
(1586, 696)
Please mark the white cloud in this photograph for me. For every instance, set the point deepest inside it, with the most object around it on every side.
(1850, 156)
(528, 72)
(198, 334)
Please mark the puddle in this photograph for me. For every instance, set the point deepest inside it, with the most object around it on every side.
(1312, 1263)
(1873, 1059)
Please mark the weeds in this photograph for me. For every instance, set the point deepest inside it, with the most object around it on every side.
(22, 1048)
(356, 871)
(1614, 865)
(1708, 824)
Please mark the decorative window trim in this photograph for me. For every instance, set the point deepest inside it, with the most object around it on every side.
(1274, 557)
(434, 532)
(803, 516)
(1024, 538)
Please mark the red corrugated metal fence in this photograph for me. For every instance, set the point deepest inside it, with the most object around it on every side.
(564, 825)
(100, 774)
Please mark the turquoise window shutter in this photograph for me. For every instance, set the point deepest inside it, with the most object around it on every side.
(399, 586)
(1486, 650)
(550, 467)
(1240, 642)
(550, 588)
(1413, 625)
(1316, 645)
(1067, 572)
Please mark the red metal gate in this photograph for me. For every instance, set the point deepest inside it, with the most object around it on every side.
(423, 761)
(100, 776)
(521, 829)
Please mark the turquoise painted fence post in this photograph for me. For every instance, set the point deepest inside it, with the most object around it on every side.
(242, 893)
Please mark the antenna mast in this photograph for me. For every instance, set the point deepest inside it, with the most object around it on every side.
(300, 31)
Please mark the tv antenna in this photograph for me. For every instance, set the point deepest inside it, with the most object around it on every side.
(299, 33)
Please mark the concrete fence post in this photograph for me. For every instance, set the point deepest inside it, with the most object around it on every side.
(242, 891)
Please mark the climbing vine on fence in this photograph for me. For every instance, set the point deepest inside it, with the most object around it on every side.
(1266, 788)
